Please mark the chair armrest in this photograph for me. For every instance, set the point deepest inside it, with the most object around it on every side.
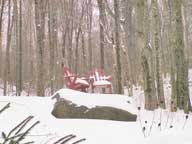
(108, 78)
(70, 76)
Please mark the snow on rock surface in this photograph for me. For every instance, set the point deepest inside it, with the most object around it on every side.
(93, 100)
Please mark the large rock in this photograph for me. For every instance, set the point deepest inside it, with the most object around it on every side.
(66, 109)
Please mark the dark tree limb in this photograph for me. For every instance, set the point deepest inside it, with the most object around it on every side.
(5, 107)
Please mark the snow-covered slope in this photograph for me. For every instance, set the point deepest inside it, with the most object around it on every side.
(97, 131)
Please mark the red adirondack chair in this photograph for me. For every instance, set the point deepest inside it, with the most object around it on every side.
(98, 79)
(73, 82)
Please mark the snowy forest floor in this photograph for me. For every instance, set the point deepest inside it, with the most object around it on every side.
(152, 127)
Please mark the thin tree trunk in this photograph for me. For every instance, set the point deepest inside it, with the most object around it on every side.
(77, 50)
(51, 45)
(130, 54)
(117, 47)
(89, 25)
(40, 25)
(1, 23)
(79, 31)
(159, 80)
(70, 58)
(84, 64)
(182, 88)
(147, 63)
(101, 34)
(19, 54)
(7, 56)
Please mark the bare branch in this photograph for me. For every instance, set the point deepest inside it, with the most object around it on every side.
(5, 107)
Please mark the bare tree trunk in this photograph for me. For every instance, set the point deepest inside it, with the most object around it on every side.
(147, 63)
(117, 46)
(52, 41)
(78, 32)
(77, 50)
(40, 30)
(84, 64)
(182, 88)
(130, 64)
(186, 30)
(31, 60)
(159, 80)
(71, 29)
(172, 69)
(65, 31)
(89, 25)
(64, 36)
(19, 54)
(101, 27)
(1, 23)
(7, 56)
(139, 33)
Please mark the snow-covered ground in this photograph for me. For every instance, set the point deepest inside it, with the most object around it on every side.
(151, 127)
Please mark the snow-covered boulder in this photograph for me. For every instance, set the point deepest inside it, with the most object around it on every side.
(67, 108)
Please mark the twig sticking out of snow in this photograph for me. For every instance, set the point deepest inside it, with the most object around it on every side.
(63, 138)
(20, 126)
(26, 132)
(29, 142)
(5, 107)
(81, 140)
(139, 117)
(151, 126)
(171, 123)
(166, 123)
(67, 138)
(159, 124)
(186, 118)
(16, 135)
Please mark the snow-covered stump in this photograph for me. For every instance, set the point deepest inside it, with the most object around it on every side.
(64, 108)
